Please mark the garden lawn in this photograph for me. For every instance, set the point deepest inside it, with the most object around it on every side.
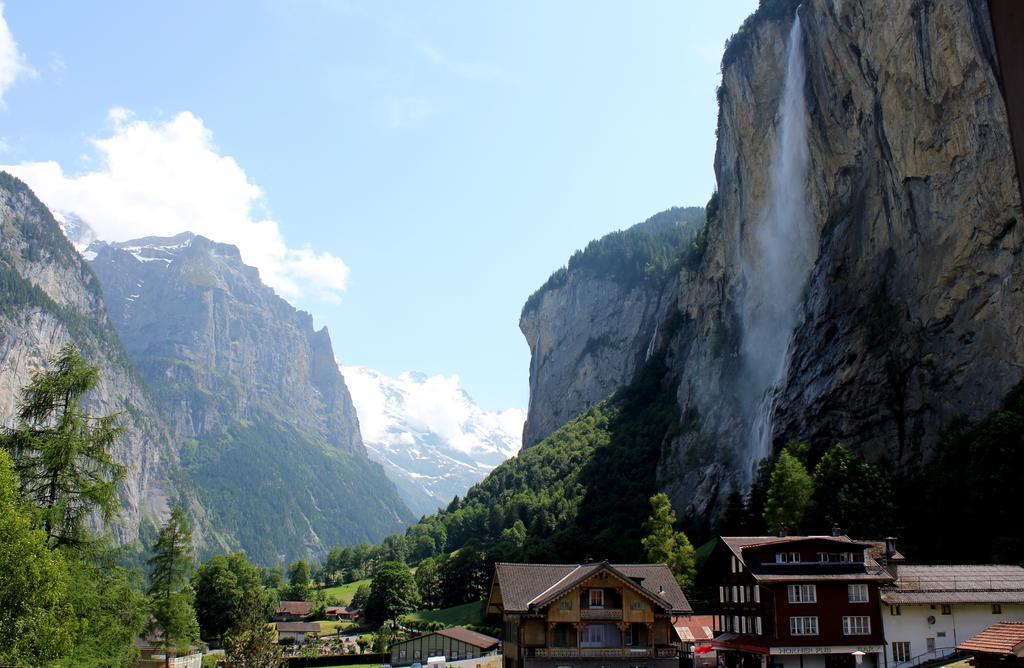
(342, 594)
(460, 615)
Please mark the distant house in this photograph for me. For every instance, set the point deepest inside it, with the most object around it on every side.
(296, 632)
(999, 646)
(595, 614)
(928, 610)
(455, 644)
(340, 613)
(292, 611)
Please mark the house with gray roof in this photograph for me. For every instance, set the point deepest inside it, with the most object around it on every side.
(587, 615)
(928, 610)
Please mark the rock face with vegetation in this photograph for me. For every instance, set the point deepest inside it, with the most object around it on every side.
(909, 315)
(592, 325)
(265, 423)
(50, 297)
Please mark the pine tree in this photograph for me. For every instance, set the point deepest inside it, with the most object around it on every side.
(789, 497)
(251, 642)
(174, 615)
(62, 455)
(664, 545)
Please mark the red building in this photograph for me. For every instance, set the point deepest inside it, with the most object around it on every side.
(800, 601)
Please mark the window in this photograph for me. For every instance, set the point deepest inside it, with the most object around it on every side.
(636, 605)
(416, 654)
(997, 609)
(735, 594)
(803, 594)
(894, 611)
(901, 650)
(401, 653)
(757, 625)
(743, 594)
(757, 594)
(803, 626)
(633, 635)
(734, 564)
(455, 654)
(597, 598)
(721, 594)
(600, 635)
(736, 624)
(857, 593)
(565, 605)
(787, 557)
(857, 626)
(947, 609)
(560, 638)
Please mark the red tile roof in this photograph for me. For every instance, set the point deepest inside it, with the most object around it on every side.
(695, 629)
(1004, 638)
(298, 608)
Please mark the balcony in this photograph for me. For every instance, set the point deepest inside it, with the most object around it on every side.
(664, 652)
(613, 614)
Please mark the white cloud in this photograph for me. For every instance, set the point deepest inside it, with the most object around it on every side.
(162, 178)
(12, 62)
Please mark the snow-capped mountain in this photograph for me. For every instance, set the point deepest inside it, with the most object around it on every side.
(432, 439)
(78, 232)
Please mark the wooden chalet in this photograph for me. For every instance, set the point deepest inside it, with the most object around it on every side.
(587, 615)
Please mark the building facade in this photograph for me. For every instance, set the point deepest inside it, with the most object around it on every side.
(587, 615)
(800, 601)
(455, 644)
(928, 610)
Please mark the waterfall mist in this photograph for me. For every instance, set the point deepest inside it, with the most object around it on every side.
(783, 252)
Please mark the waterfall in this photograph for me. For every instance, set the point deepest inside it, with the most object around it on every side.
(784, 249)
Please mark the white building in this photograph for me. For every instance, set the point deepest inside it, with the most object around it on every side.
(930, 609)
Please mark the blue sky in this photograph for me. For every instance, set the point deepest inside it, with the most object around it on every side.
(409, 172)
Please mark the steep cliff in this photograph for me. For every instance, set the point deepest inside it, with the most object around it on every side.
(909, 311)
(50, 297)
(254, 395)
(593, 323)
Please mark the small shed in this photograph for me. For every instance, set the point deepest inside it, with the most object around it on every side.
(455, 644)
(296, 632)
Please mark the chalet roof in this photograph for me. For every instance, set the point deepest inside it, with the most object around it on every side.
(868, 570)
(297, 627)
(697, 628)
(531, 585)
(298, 608)
(473, 638)
(955, 584)
(1004, 638)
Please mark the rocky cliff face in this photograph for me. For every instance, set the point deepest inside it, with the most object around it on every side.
(51, 297)
(254, 396)
(910, 314)
(592, 325)
(218, 344)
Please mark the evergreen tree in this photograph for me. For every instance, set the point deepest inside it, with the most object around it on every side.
(298, 582)
(36, 619)
(851, 494)
(174, 616)
(789, 497)
(664, 545)
(393, 593)
(62, 455)
(251, 642)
